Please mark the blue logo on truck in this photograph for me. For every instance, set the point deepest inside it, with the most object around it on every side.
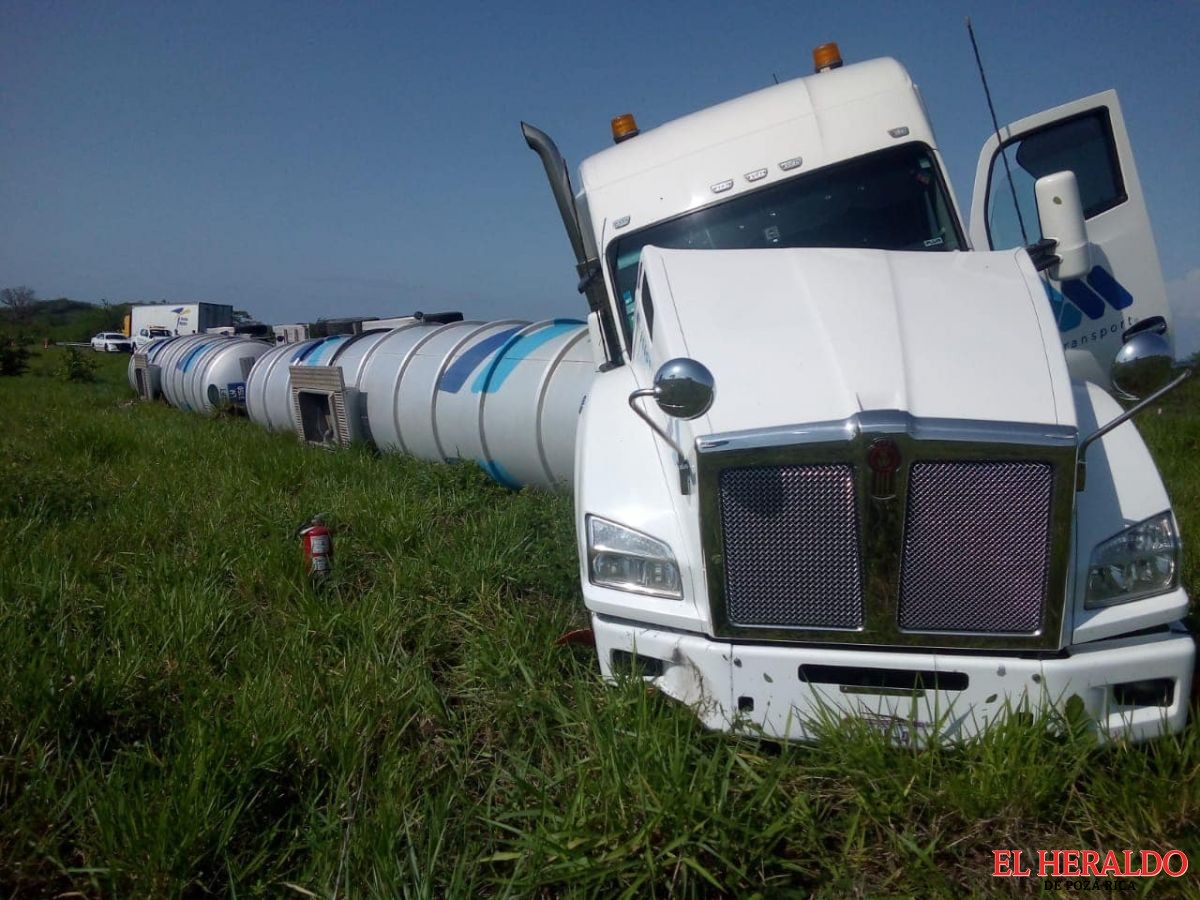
(1088, 296)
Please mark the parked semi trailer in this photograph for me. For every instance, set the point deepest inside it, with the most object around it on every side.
(505, 394)
(843, 455)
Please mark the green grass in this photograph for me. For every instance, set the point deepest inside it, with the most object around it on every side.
(184, 714)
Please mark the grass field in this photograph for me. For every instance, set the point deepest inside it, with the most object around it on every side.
(184, 715)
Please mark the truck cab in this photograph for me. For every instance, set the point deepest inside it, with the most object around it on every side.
(147, 334)
(844, 456)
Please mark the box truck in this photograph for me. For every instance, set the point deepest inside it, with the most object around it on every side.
(153, 320)
(848, 453)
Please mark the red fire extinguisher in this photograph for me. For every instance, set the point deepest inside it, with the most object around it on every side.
(317, 542)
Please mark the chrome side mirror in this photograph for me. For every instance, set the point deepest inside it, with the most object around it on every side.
(1060, 212)
(683, 388)
(1142, 371)
(1142, 366)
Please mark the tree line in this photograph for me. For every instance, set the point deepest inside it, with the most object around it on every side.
(25, 317)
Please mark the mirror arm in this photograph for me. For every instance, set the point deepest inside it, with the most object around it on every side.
(1154, 324)
(685, 470)
(1081, 461)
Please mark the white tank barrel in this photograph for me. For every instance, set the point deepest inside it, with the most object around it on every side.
(216, 378)
(530, 395)
(144, 372)
(437, 416)
(505, 394)
(325, 398)
(268, 398)
(202, 372)
(379, 381)
(174, 362)
(131, 373)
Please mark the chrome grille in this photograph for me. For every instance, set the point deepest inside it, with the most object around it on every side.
(791, 554)
(976, 547)
(967, 548)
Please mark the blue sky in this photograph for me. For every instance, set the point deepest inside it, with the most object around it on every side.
(316, 159)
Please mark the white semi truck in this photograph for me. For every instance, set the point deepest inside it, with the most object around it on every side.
(846, 456)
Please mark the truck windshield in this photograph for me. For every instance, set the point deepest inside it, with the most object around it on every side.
(893, 199)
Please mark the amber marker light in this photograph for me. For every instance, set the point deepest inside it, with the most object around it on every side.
(624, 127)
(826, 57)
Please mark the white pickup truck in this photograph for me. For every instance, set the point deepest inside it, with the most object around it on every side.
(844, 455)
(146, 334)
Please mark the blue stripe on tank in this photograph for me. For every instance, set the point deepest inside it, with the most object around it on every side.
(456, 374)
(185, 364)
(499, 474)
(323, 348)
(299, 354)
(158, 347)
(306, 352)
(505, 362)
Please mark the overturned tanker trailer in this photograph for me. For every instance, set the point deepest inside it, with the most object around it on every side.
(505, 394)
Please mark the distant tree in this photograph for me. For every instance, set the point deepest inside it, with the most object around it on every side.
(241, 317)
(18, 301)
(14, 355)
(77, 367)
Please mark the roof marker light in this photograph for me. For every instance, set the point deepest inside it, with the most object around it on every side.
(826, 57)
(722, 186)
(794, 163)
(621, 222)
(900, 132)
(624, 127)
(756, 175)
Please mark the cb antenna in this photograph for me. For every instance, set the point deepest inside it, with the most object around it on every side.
(996, 127)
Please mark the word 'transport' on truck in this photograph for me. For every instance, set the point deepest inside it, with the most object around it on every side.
(845, 456)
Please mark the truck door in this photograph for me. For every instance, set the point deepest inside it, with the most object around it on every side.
(1125, 283)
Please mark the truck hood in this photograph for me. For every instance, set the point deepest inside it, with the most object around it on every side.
(808, 335)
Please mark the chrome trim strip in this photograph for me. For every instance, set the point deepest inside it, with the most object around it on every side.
(882, 519)
(891, 422)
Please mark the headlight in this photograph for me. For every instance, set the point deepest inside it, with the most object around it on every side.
(627, 560)
(1140, 561)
